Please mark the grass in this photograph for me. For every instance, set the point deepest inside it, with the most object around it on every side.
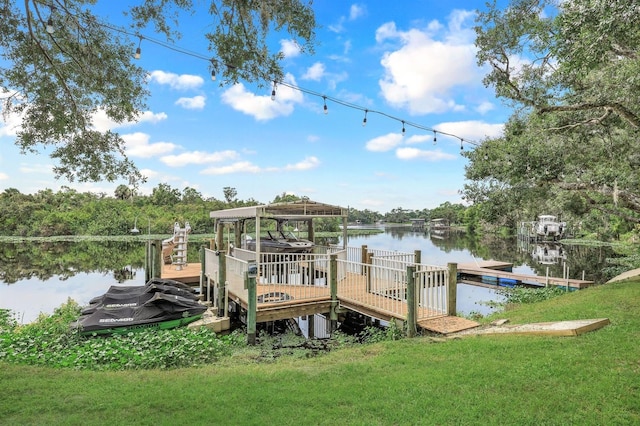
(590, 379)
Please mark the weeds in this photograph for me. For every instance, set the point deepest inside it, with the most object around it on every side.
(50, 341)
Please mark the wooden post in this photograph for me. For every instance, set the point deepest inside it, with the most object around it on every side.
(417, 256)
(203, 277)
(363, 257)
(311, 234)
(222, 279)
(156, 268)
(412, 303)
(220, 236)
(311, 326)
(333, 288)
(453, 288)
(369, 262)
(252, 306)
(237, 233)
(147, 261)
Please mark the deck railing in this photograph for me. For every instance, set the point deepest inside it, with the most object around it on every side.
(379, 286)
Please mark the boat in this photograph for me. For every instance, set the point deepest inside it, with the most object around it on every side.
(281, 242)
(548, 226)
(125, 309)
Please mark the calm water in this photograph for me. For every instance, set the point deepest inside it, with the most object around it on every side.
(38, 277)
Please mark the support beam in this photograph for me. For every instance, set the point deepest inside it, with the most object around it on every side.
(333, 288)
(222, 279)
(412, 302)
(453, 288)
(250, 282)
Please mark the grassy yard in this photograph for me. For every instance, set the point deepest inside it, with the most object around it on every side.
(589, 379)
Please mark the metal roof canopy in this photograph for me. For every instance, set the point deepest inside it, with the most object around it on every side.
(296, 210)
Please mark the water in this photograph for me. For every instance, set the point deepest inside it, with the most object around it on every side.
(39, 277)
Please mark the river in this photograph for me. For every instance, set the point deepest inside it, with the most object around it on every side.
(38, 277)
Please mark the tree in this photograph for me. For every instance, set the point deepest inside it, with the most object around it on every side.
(230, 194)
(571, 145)
(165, 195)
(61, 64)
(122, 192)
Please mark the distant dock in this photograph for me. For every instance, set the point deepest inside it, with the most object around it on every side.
(494, 273)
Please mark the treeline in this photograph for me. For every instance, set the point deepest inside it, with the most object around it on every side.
(69, 212)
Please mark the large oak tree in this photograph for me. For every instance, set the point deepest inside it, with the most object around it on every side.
(61, 63)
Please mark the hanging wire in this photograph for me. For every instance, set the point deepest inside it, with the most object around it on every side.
(338, 101)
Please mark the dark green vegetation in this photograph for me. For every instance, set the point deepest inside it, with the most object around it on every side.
(589, 379)
(571, 145)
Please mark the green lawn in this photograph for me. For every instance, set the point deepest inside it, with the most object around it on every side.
(589, 379)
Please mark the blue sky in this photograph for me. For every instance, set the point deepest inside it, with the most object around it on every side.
(414, 60)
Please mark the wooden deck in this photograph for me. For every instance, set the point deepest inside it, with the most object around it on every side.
(188, 274)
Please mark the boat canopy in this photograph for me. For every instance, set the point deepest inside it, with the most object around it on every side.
(296, 210)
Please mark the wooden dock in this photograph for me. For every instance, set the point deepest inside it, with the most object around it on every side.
(291, 301)
(494, 273)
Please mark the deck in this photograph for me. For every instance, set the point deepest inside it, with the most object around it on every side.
(495, 271)
(281, 301)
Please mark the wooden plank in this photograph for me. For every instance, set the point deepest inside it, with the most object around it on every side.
(188, 274)
(447, 324)
(555, 328)
(488, 264)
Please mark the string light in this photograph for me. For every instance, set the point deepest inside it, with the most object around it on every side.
(50, 29)
(403, 129)
(275, 83)
(213, 69)
(138, 51)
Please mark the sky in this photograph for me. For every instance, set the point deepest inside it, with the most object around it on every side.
(410, 60)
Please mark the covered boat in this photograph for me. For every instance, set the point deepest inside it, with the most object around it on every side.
(281, 242)
(152, 306)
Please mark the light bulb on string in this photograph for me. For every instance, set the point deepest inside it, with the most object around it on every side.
(213, 69)
(403, 129)
(273, 92)
(138, 50)
(364, 121)
(50, 29)
(326, 110)
(461, 146)
(435, 137)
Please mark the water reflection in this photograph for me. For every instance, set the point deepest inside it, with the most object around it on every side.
(38, 277)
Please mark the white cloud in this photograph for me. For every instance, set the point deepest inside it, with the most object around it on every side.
(485, 107)
(315, 72)
(240, 167)
(248, 167)
(102, 123)
(422, 73)
(472, 130)
(4, 176)
(261, 107)
(197, 102)
(198, 157)
(289, 48)
(384, 143)
(408, 153)
(137, 145)
(356, 11)
(306, 164)
(175, 81)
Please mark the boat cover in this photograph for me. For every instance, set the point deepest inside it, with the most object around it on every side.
(160, 307)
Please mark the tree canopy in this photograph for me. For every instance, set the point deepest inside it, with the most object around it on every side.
(62, 64)
(571, 70)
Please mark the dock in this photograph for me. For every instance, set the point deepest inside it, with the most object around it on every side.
(496, 273)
